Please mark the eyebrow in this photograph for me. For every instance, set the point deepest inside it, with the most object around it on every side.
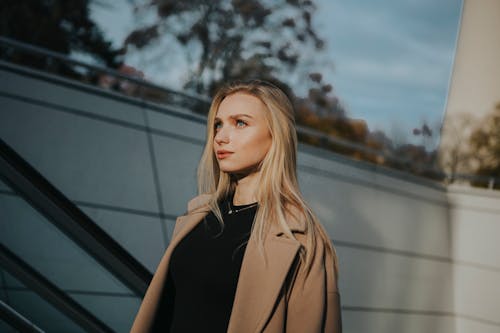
(239, 115)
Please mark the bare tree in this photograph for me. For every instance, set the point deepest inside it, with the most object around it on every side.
(237, 39)
(485, 144)
(455, 151)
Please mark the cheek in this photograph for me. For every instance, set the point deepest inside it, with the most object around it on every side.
(267, 144)
(260, 145)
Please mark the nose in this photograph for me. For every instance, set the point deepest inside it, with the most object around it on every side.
(222, 136)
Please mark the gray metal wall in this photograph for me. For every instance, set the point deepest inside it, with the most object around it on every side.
(414, 257)
(476, 258)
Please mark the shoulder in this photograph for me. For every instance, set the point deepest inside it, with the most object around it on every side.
(322, 259)
(316, 242)
(198, 202)
(295, 220)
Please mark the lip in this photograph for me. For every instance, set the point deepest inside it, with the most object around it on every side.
(223, 153)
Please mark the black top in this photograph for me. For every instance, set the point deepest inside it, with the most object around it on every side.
(204, 270)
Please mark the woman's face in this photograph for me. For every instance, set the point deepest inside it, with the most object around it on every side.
(242, 138)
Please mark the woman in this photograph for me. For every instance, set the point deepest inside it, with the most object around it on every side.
(249, 255)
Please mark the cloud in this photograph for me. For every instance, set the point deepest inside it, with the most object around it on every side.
(393, 60)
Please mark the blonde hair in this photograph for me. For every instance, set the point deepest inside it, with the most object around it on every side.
(278, 195)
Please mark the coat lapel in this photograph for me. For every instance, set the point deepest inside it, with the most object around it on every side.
(197, 210)
(260, 283)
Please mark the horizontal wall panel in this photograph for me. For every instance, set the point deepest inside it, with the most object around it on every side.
(174, 125)
(118, 312)
(371, 175)
(34, 308)
(477, 293)
(177, 162)
(476, 226)
(40, 312)
(68, 97)
(50, 252)
(142, 236)
(88, 160)
(465, 325)
(477, 236)
(377, 322)
(366, 215)
(474, 198)
(387, 281)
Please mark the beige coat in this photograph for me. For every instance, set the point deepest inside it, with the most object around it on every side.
(269, 297)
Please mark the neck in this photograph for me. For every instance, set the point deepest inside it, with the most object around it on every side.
(246, 187)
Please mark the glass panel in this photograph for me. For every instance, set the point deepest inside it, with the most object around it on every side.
(142, 236)
(372, 73)
(46, 249)
(87, 159)
(5, 328)
(34, 308)
(4, 187)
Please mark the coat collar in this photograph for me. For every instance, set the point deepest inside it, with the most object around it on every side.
(261, 279)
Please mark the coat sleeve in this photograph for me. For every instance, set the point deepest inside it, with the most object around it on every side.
(313, 300)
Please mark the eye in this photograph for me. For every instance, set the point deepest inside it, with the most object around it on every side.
(217, 125)
(240, 123)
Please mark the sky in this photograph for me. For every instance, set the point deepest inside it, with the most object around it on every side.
(392, 59)
(389, 61)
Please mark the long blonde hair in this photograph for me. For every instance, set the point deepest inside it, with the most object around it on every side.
(278, 195)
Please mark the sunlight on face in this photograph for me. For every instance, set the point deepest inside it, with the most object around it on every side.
(242, 138)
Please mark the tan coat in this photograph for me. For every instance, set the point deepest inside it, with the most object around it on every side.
(269, 298)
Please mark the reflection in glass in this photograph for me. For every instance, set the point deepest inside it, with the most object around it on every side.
(368, 79)
(42, 246)
(33, 307)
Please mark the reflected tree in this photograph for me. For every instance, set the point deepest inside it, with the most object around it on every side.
(63, 26)
(233, 39)
(238, 39)
(485, 143)
(322, 110)
(455, 151)
(226, 40)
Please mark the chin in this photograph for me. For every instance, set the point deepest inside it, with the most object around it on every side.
(229, 170)
(228, 167)
(238, 170)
